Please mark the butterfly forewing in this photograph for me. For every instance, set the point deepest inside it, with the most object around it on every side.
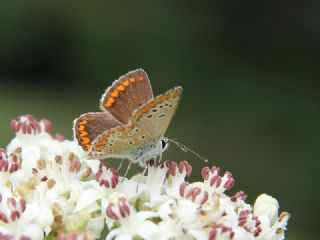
(88, 126)
(155, 116)
(144, 130)
(126, 94)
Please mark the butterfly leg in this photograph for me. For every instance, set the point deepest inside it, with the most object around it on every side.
(130, 162)
(143, 173)
(120, 165)
(145, 169)
(159, 158)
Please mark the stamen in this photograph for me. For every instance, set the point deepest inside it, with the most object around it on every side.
(105, 176)
(122, 210)
(123, 207)
(8, 165)
(184, 166)
(220, 229)
(110, 213)
(172, 167)
(75, 164)
(29, 125)
(239, 196)
(183, 188)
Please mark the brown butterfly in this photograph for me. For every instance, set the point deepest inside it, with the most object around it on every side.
(132, 123)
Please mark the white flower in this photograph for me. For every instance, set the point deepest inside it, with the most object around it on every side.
(272, 226)
(266, 205)
(132, 223)
(48, 187)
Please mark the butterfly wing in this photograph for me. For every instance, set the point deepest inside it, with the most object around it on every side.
(126, 94)
(89, 125)
(148, 124)
(156, 115)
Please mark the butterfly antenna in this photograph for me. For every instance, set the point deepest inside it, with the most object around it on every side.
(186, 149)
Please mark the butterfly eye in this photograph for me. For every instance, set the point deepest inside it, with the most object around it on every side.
(164, 144)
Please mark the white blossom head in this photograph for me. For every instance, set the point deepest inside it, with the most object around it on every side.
(49, 188)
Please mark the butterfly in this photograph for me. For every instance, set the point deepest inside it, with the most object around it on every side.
(132, 122)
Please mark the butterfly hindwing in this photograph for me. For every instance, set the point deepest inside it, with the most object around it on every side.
(89, 125)
(120, 142)
(126, 94)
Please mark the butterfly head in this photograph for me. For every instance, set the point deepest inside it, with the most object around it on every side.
(150, 151)
(164, 144)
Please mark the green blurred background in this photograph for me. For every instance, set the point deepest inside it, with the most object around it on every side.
(249, 69)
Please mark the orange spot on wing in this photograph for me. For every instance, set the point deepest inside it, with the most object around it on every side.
(126, 83)
(140, 78)
(99, 146)
(145, 109)
(115, 93)
(121, 88)
(110, 102)
(104, 137)
(152, 104)
(132, 79)
(160, 100)
(138, 115)
(83, 133)
(166, 97)
(85, 140)
(131, 126)
(176, 94)
(87, 146)
(81, 127)
(121, 129)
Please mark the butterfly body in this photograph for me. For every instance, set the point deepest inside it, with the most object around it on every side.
(140, 154)
(133, 122)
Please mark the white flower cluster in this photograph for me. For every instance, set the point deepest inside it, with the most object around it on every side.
(49, 190)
